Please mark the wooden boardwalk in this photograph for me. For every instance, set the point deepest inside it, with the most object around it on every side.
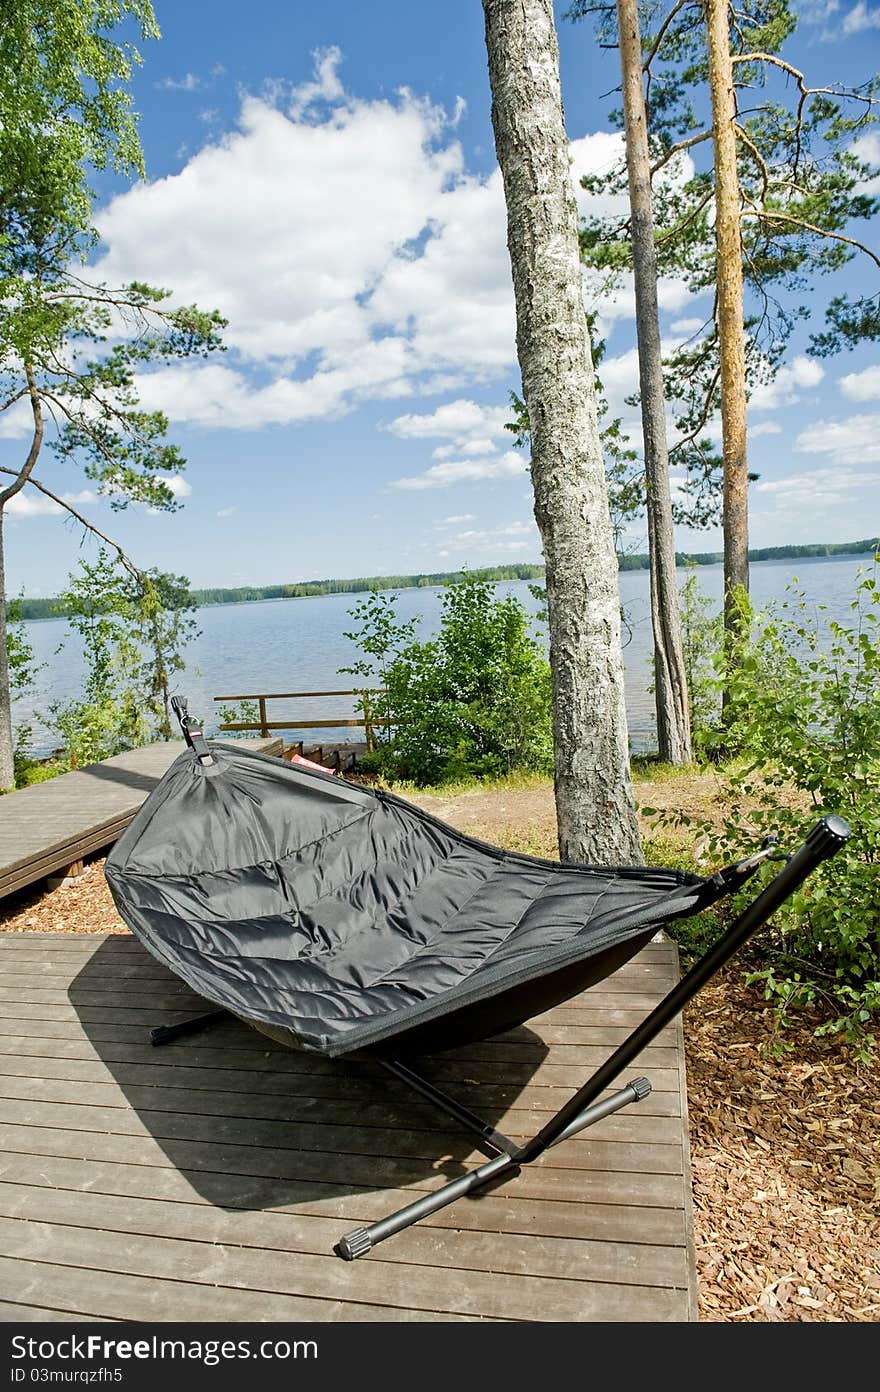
(209, 1179)
(49, 826)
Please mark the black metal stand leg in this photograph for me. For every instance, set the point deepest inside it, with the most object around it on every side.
(582, 1110)
(163, 1034)
(361, 1240)
(497, 1143)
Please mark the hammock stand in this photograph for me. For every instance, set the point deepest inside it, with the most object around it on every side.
(232, 812)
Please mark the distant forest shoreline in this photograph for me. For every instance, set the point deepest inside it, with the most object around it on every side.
(53, 609)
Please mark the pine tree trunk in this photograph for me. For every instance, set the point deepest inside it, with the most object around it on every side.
(731, 332)
(594, 805)
(670, 677)
(7, 771)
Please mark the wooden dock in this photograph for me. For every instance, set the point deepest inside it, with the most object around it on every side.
(49, 827)
(209, 1179)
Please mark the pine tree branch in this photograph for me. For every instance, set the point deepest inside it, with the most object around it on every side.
(661, 33)
(84, 522)
(694, 213)
(80, 424)
(749, 210)
(759, 159)
(11, 400)
(691, 437)
(805, 91)
(677, 149)
(21, 476)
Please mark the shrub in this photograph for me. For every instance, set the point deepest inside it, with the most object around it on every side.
(702, 631)
(474, 700)
(132, 630)
(805, 718)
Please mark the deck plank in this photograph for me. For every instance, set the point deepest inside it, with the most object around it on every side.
(209, 1179)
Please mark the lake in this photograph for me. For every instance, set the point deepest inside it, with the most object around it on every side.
(298, 644)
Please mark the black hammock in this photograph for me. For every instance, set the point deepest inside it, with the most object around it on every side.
(340, 919)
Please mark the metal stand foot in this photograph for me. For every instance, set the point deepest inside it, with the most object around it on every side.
(163, 1034)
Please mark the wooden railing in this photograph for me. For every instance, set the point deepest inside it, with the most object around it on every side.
(264, 724)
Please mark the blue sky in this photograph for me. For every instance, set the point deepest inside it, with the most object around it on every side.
(326, 177)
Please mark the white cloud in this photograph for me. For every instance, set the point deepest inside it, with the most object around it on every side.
(862, 386)
(176, 485)
(326, 86)
(867, 149)
(29, 502)
(456, 420)
(468, 427)
(513, 538)
(227, 511)
(507, 465)
(598, 153)
(16, 421)
(861, 18)
(817, 11)
(190, 82)
(353, 255)
(852, 441)
(764, 428)
(289, 265)
(817, 490)
(514, 529)
(686, 327)
(785, 388)
(456, 520)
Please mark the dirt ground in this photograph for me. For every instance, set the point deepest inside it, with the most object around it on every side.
(786, 1167)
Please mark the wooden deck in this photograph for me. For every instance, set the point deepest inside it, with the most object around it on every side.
(49, 826)
(209, 1179)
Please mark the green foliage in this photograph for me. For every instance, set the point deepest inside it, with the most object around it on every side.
(65, 107)
(238, 711)
(133, 628)
(29, 771)
(802, 186)
(805, 717)
(20, 655)
(475, 700)
(22, 674)
(702, 629)
(71, 348)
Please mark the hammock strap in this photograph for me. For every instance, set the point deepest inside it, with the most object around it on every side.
(192, 734)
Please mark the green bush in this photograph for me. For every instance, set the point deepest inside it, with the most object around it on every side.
(702, 630)
(805, 718)
(473, 701)
(133, 628)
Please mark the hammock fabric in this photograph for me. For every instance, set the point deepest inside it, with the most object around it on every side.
(341, 920)
(345, 919)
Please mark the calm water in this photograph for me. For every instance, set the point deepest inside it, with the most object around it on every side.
(297, 645)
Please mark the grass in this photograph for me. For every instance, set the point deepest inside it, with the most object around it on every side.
(520, 780)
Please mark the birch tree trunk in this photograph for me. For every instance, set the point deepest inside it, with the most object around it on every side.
(594, 805)
(670, 676)
(731, 332)
(7, 770)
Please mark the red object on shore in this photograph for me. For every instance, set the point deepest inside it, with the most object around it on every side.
(310, 763)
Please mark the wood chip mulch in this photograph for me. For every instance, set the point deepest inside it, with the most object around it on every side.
(786, 1166)
(784, 1154)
